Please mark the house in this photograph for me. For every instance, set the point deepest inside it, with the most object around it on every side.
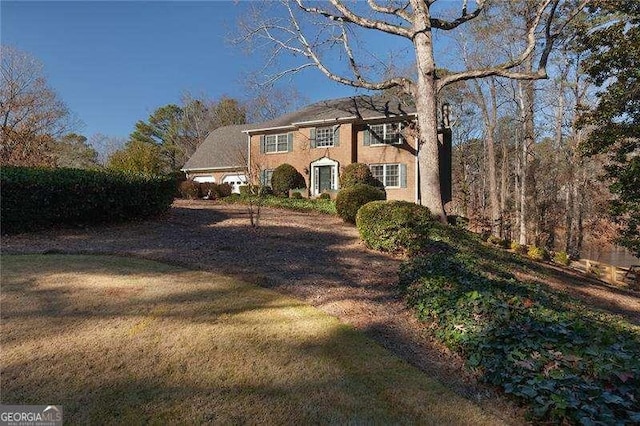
(322, 138)
(221, 157)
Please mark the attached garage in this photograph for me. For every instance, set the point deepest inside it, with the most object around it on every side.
(236, 181)
(203, 179)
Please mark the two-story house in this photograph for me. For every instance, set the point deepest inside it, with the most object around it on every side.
(321, 139)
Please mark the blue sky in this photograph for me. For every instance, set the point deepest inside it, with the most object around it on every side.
(113, 63)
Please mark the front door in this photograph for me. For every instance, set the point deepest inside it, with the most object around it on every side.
(324, 178)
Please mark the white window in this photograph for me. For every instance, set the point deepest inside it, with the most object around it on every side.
(387, 133)
(276, 143)
(388, 174)
(324, 136)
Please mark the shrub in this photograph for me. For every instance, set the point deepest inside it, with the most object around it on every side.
(325, 196)
(189, 189)
(349, 200)
(208, 190)
(537, 253)
(284, 178)
(224, 190)
(356, 174)
(38, 198)
(518, 248)
(495, 241)
(393, 226)
(561, 258)
(296, 195)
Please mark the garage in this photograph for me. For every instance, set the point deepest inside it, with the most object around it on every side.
(236, 181)
(203, 179)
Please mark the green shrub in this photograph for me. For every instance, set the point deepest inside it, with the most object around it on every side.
(358, 174)
(350, 199)
(571, 363)
(325, 196)
(393, 226)
(38, 198)
(561, 258)
(537, 253)
(224, 190)
(208, 190)
(296, 195)
(189, 189)
(284, 178)
(496, 241)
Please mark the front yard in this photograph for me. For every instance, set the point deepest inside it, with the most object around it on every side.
(122, 340)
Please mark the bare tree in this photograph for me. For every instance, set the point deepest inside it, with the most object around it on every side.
(334, 25)
(31, 114)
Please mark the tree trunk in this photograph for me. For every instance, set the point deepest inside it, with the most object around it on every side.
(426, 106)
(528, 139)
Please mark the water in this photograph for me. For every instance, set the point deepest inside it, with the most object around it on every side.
(612, 255)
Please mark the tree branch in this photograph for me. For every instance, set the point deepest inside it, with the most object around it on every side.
(397, 11)
(465, 16)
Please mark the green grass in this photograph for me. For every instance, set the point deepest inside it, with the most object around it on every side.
(121, 340)
(304, 204)
(567, 360)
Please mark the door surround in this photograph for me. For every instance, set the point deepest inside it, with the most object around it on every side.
(314, 166)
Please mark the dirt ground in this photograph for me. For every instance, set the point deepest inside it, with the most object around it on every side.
(314, 257)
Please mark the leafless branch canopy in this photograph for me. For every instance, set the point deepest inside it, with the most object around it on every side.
(318, 33)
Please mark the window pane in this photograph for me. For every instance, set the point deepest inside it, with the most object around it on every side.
(282, 143)
(270, 143)
(377, 133)
(378, 172)
(324, 136)
(392, 175)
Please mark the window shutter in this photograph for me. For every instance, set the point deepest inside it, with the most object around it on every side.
(263, 177)
(367, 137)
(403, 175)
(312, 137)
(336, 135)
(290, 142)
(262, 149)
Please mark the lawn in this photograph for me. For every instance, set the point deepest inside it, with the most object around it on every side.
(123, 340)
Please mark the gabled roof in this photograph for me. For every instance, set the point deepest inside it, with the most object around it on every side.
(225, 147)
(350, 108)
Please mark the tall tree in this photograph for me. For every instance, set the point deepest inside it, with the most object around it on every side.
(31, 114)
(163, 128)
(333, 26)
(613, 62)
(72, 150)
(138, 157)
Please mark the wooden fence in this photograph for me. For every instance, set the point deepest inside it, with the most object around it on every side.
(611, 274)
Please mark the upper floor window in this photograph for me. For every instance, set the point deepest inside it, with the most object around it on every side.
(276, 143)
(386, 133)
(324, 136)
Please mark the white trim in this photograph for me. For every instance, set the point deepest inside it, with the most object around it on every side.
(204, 169)
(324, 161)
(325, 121)
(268, 129)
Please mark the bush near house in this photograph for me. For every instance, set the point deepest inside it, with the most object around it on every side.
(570, 362)
(350, 199)
(358, 173)
(393, 226)
(37, 198)
(189, 189)
(285, 177)
(214, 191)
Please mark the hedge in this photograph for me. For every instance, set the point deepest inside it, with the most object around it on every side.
(349, 200)
(37, 198)
(285, 177)
(393, 226)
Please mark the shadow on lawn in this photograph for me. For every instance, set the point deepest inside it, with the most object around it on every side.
(195, 348)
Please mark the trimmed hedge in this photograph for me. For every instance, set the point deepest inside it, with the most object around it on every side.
(286, 177)
(393, 226)
(349, 200)
(37, 198)
(189, 189)
(358, 173)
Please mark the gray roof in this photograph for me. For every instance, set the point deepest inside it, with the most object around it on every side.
(354, 107)
(224, 147)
